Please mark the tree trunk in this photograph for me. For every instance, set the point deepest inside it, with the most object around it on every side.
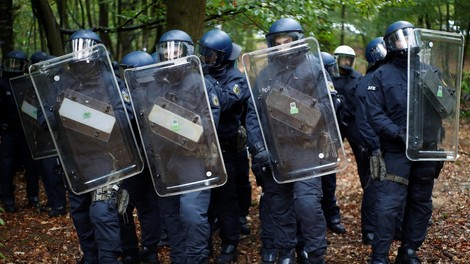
(51, 29)
(186, 15)
(104, 23)
(6, 26)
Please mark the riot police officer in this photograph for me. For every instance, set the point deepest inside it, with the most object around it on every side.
(375, 53)
(329, 201)
(14, 151)
(188, 227)
(243, 178)
(94, 214)
(142, 195)
(287, 204)
(215, 49)
(51, 169)
(405, 183)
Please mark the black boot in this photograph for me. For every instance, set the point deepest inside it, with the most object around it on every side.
(316, 257)
(302, 257)
(228, 254)
(407, 256)
(286, 256)
(148, 255)
(268, 255)
(336, 227)
(379, 260)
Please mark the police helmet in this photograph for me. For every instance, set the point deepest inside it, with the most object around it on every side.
(175, 44)
(136, 59)
(345, 57)
(15, 61)
(155, 57)
(375, 51)
(81, 39)
(398, 36)
(329, 63)
(215, 48)
(236, 51)
(38, 56)
(287, 27)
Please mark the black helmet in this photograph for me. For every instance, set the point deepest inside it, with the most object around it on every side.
(136, 59)
(38, 56)
(175, 44)
(329, 63)
(375, 51)
(81, 39)
(15, 61)
(398, 35)
(215, 48)
(284, 27)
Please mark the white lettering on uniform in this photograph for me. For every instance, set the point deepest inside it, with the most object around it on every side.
(371, 88)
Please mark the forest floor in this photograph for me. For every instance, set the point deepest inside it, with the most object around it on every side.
(29, 236)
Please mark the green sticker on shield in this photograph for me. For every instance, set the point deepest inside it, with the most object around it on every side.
(439, 91)
(293, 108)
(175, 125)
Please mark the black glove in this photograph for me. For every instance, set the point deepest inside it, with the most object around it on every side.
(378, 170)
(339, 102)
(261, 165)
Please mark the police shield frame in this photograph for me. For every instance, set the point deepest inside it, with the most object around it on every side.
(38, 137)
(434, 80)
(81, 104)
(289, 88)
(176, 126)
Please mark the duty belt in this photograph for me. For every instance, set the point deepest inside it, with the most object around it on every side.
(396, 178)
(104, 193)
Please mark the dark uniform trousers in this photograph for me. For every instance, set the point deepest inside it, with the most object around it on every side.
(392, 196)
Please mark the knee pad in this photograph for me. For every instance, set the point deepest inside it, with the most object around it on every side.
(426, 171)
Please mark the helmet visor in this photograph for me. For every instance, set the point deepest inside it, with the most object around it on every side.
(400, 39)
(378, 52)
(282, 38)
(170, 50)
(75, 45)
(14, 65)
(210, 57)
(345, 60)
(333, 70)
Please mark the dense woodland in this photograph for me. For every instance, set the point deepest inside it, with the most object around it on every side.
(127, 25)
(124, 26)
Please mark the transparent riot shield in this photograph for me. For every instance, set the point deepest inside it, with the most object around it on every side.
(38, 137)
(82, 106)
(434, 76)
(295, 110)
(176, 126)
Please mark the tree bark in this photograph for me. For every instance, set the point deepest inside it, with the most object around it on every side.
(6, 26)
(186, 15)
(51, 29)
(104, 23)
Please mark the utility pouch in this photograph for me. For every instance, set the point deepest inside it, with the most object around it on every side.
(122, 201)
(378, 171)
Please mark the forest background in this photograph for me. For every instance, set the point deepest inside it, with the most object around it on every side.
(128, 25)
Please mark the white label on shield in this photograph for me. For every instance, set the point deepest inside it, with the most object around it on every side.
(30, 110)
(175, 123)
(87, 116)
